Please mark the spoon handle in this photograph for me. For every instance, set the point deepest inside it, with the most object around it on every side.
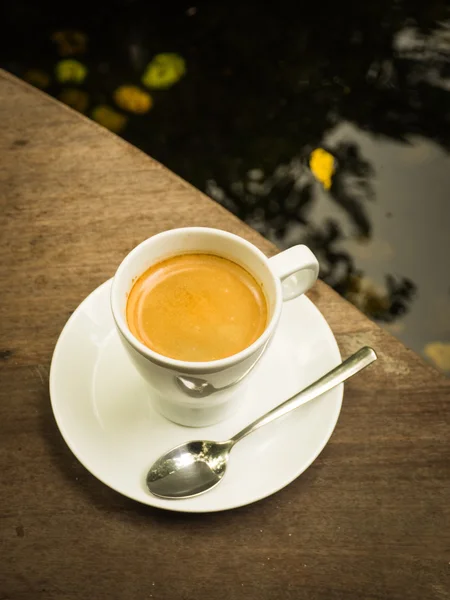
(355, 363)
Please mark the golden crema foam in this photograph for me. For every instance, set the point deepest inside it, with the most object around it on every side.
(197, 307)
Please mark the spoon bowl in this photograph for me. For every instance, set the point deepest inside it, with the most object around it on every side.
(189, 469)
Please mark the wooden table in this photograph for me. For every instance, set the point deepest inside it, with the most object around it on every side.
(370, 519)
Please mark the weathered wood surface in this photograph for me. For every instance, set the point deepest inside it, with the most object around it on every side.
(369, 520)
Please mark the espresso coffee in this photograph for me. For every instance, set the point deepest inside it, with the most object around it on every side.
(197, 307)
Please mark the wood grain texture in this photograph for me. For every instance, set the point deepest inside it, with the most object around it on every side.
(369, 520)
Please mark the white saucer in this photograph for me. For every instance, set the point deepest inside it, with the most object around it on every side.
(102, 409)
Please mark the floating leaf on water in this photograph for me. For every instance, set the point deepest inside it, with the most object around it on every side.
(70, 42)
(321, 164)
(133, 99)
(109, 118)
(439, 354)
(164, 71)
(70, 71)
(38, 78)
(76, 99)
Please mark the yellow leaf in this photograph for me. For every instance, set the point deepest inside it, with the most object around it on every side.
(74, 98)
(109, 118)
(321, 164)
(439, 354)
(164, 71)
(132, 99)
(38, 78)
(70, 71)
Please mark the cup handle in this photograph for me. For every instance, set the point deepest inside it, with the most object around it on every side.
(297, 268)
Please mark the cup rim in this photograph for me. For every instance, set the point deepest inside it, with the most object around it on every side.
(193, 366)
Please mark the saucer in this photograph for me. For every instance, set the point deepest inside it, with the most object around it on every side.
(103, 410)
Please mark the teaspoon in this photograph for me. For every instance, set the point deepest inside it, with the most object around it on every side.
(196, 467)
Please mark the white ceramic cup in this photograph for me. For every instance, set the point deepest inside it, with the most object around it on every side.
(283, 277)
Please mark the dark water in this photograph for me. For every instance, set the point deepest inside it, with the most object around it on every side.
(244, 98)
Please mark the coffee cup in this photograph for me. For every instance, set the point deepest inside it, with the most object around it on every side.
(197, 393)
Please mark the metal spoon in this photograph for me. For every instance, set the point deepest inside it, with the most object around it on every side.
(196, 467)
